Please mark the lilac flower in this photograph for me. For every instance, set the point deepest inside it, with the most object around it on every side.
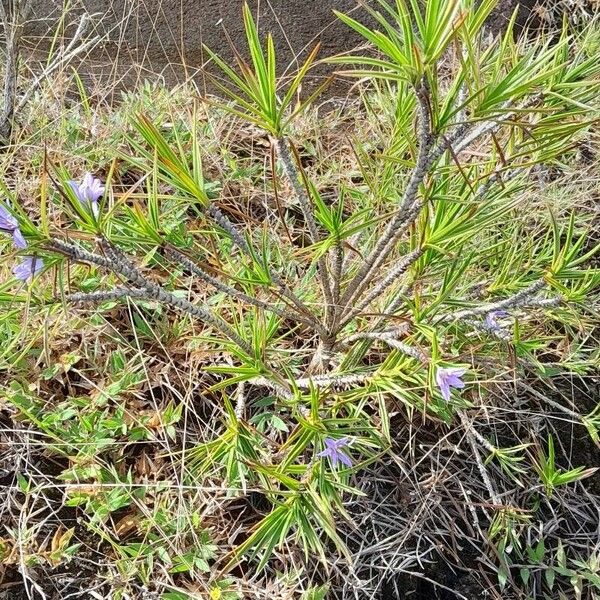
(29, 267)
(447, 377)
(333, 451)
(8, 224)
(491, 319)
(88, 192)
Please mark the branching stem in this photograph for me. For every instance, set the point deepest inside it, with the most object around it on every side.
(282, 145)
(117, 263)
(386, 242)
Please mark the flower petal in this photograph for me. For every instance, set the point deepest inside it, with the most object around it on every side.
(28, 268)
(456, 382)
(78, 191)
(445, 391)
(18, 239)
(8, 222)
(440, 379)
(345, 459)
(88, 180)
(456, 371)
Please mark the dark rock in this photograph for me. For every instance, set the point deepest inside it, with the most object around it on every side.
(167, 36)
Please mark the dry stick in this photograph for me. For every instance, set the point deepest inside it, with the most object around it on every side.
(490, 126)
(279, 390)
(13, 35)
(144, 294)
(117, 293)
(567, 411)
(73, 49)
(13, 17)
(545, 302)
(280, 211)
(480, 465)
(129, 269)
(191, 266)
(282, 146)
(393, 333)
(385, 244)
(10, 75)
(493, 330)
(224, 223)
(117, 263)
(482, 441)
(416, 209)
(448, 143)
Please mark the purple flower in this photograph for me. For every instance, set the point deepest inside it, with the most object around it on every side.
(447, 377)
(10, 225)
(7, 221)
(491, 319)
(333, 451)
(88, 192)
(29, 267)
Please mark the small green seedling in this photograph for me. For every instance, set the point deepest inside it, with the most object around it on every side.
(553, 477)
